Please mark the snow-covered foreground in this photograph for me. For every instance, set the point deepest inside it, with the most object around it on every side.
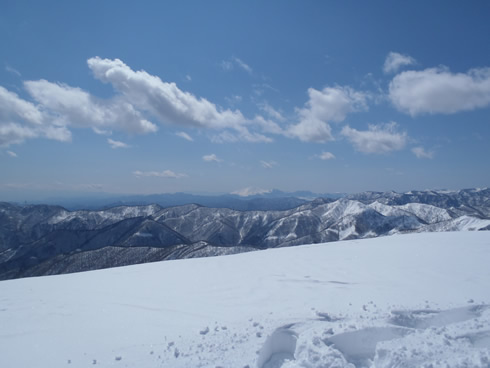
(420, 300)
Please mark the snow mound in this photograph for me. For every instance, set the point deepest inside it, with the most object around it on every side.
(410, 339)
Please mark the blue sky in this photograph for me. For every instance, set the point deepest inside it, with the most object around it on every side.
(220, 96)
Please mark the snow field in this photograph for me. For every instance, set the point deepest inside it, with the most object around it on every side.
(418, 300)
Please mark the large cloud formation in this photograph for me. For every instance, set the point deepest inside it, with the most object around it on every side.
(165, 100)
(331, 104)
(437, 90)
(73, 106)
(57, 107)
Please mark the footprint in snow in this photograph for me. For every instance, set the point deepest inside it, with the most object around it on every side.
(359, 347)
(322, 316)
(278, 348)
(425, 318)
(478, 339)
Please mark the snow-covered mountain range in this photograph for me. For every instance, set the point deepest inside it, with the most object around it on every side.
(43, 240)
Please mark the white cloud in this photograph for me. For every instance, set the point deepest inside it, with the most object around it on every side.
(58, 133)
(326, 156)
(12, 70)
(166, 101)
(268, 126)
(188, 77)
(21, 120)
(184, 135)
(211, 158)
(58, 107)
(311, 130)
(242, 65)
(101, 131)
(261, 88)
(420, 152)
(227, 137)
(228, 65)
(248, 136)
(332, 104)
(224, 137)
(232, 100)
(73, 106)
(271, 112)
(159, 174)
(268, 164)
(13, 108)
(117, 144)
(12, 133)
(394, 61)
(11, 154)
(378, 139)
(437, 90)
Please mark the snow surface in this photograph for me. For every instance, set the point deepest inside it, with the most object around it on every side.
(108, 216)
(418, 300)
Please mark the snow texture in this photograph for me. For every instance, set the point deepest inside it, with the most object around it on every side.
(416, 300)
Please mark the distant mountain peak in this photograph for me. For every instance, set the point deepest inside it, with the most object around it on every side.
(250, 191)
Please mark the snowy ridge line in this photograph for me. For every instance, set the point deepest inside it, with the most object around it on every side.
(38, 240)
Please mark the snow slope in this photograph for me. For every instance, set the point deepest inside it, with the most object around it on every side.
(418, 300)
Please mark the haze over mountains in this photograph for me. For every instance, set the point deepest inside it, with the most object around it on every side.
(45, 239)
(246, 199)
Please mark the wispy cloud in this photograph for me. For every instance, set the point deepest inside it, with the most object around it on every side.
(378, 139)
(12, 70)
(437, 90)
(233, 100)
(224, 137)
(184, 135)
(243, 65)
(228, 65)
(159, 174)
(270, 111)
(261, 88)
(11, 154)
(268, 164)
(326, 156)
(229, 137)
(211, 158)
(420, 152)
(101, 131)
(394, 61)
(117, 144)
